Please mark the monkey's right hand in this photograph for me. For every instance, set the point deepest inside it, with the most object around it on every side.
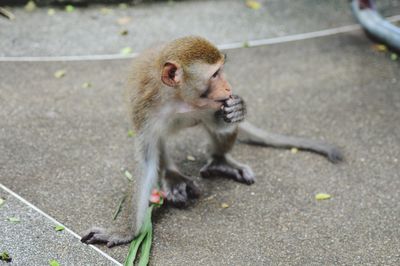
(233, 110)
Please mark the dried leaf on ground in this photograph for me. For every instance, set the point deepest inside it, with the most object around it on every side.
(59, 73)
(30, 6)
(51, 12)
(224, 205)
(86, 85)
(253, 4)
(4, 12)
(119, 207)
(380, 48)
(191, 158)
(322, 196)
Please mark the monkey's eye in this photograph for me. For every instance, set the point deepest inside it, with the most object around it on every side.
(215, 74)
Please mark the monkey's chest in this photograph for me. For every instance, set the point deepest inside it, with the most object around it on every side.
(181, 122)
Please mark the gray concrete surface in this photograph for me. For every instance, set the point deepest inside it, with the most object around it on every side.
(223, 21)
(63, 148)
(33, 240)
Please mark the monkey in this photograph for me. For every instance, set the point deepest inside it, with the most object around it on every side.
(179, 85)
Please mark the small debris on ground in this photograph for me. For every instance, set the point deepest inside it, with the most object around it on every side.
(131, 133)
(13, 220)
(294, 150)
(86, 85)
(5, 13)
(4, 256)
(2, 201)
(190, 158)
(253, 4)
(224, 205)
(51, 12)
(128, 175)
(380, 48)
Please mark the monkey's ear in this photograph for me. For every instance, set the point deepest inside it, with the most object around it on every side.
(171, 74)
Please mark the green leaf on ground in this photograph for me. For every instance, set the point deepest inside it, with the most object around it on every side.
(126, 51)
(59, 228)
(246, 45)
(13, 220)
(131, 133)
(393, 56)
(59, 73)
(4, 256)
(69, 8)
(30, 6)
(322, 196)
(128, 175)
(54, 263)
(294, 150)
(2, 201)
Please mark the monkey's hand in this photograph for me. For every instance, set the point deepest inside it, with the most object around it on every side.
(233, 110)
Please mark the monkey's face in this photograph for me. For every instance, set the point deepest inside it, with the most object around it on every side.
(208, 86)
(201, 85)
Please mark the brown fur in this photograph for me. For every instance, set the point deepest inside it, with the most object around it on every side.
(191, 49)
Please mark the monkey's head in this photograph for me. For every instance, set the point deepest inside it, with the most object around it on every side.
(193, 67)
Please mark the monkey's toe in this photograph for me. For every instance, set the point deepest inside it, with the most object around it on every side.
(242, 174)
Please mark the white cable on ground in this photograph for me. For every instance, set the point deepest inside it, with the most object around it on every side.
(227, 46)
(57, 222)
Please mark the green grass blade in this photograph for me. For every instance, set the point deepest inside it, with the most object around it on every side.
(133, 249)
(146, 247)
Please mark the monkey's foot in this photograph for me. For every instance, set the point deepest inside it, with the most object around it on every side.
(97, 235)
(228, 168)
(179, 189)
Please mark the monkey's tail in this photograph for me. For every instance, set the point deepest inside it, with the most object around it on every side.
(250, 134)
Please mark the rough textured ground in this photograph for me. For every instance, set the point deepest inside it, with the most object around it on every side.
(63, 147)
(223, 21)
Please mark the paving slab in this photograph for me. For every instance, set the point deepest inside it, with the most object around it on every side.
(224, 21)
(32, 239)
(63, 147)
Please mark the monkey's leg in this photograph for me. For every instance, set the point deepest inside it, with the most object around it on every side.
(250, 134)
(148, 156)
(221, 163)
(179, 188)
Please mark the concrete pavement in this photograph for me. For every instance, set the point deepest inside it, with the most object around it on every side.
(64, 147)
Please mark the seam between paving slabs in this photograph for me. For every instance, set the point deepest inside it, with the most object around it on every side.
(227, 46)
(12, 193)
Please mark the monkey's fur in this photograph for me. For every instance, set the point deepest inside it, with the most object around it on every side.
(177, 86)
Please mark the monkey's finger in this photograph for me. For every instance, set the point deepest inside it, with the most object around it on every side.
(236, 108)
(234, 115)
(233, 101)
